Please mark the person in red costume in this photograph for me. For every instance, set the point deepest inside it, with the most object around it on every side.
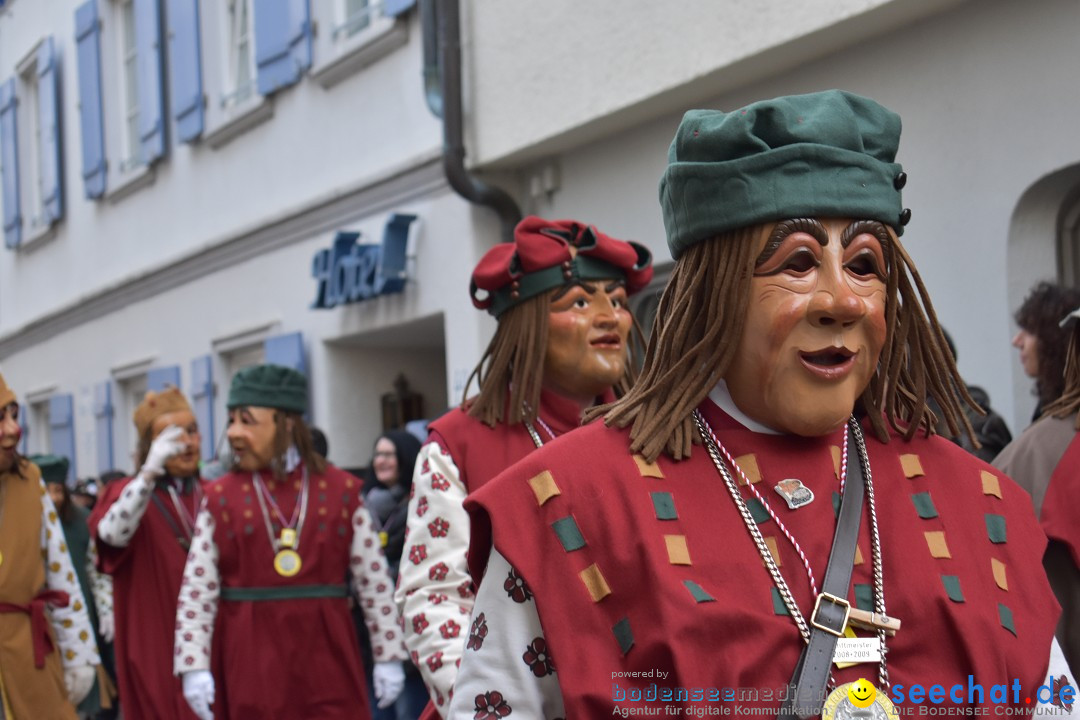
(768, 504)
(1045, 461)
(264, 590)
(559, 292)
(142, 529)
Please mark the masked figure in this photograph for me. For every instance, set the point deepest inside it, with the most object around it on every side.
(143, 528)
(274, 544)
(48, 657)
(680, 549)
(559, 292)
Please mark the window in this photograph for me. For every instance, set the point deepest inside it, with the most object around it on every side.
(33, 192)
(29, 146)
(132, 390)
(240, 83)
(357, 17)
(121, 103)
(361, 32)
(129, 65)
(39, 442)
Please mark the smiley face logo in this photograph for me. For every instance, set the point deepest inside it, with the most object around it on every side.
(861, 693)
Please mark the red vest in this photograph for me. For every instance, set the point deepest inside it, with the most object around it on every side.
(146, 584)
(294, 657)
(638, 569)
(481, 452)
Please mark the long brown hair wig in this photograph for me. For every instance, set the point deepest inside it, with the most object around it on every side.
(701, 317)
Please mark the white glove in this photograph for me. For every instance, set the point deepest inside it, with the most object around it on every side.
(79, 681)
(164, 447)
(389, 680)
(106, 624)
(199, 693)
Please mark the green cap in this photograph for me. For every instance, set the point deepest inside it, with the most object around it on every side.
(54, 468)
(826, 154)
(271, 386)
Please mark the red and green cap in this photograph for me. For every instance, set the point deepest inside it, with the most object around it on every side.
(825, 154)
(547, 254)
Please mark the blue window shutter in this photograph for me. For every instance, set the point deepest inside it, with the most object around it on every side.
(393, 8)
(282, 43)
(49, 117)
(158, 379)
(9, 165)
(202, 395)
(151, 97)
(185, 68)
(103, 422)
(287, 350)
(91, 117)
(62, 430)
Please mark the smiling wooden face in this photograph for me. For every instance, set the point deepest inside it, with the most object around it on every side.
(815, 324)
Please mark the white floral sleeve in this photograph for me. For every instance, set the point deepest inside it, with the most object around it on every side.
(100, 583)
(1058, 676)
(74, 635)
(198, 602)
(435, 592)
(122, 519)
(371, 584)
(506, 667)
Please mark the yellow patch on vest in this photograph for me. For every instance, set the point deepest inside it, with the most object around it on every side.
(990, 484)
(999, 573)
(544, 487)
(677, 551)
(750, 469)
(595, 583)
(912, 465)
(935, 540)
(646, 468)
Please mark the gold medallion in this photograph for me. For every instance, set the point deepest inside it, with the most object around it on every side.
(287, 562)
(858, 700)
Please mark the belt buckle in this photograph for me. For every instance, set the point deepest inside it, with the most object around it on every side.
(839, 601)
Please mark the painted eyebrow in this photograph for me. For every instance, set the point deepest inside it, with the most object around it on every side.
(615, 285)
(875, 228)
(786, 227)
(588, 287)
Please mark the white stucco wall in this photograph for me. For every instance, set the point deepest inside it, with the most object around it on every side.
(547, 76)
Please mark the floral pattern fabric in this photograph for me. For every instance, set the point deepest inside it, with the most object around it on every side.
(506, 670)
(71, 624)
(435, 591)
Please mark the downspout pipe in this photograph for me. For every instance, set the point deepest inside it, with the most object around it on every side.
(448, 16)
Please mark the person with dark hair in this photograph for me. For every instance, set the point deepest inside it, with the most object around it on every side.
(990, 434)
(770, 494)
(142, 527)
(319, 443)
(1041, 340)
(48, 657)
(73, 520)
(1045, 461)
(386, 492)
(559, 293)
(264, 584)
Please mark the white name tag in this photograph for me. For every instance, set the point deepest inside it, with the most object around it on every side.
(857, 650)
